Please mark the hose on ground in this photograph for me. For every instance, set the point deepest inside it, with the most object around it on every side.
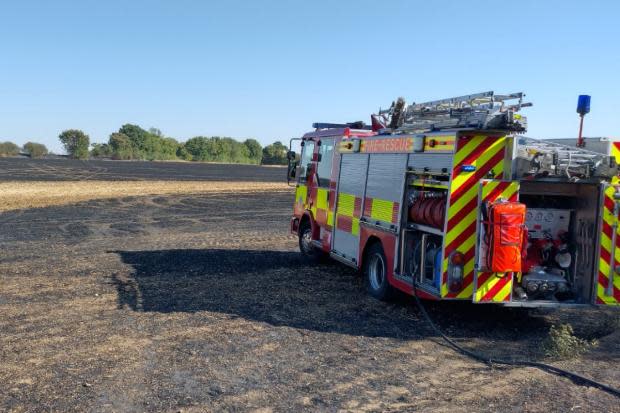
(574, 377)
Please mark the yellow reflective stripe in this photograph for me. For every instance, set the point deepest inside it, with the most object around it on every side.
(604, 268)
(382, 210)
(346, 204)
(486, 287)
(467, 149)
(615, 152)
(462, 201)
(467, 292)
(504, 293)
(489, 187)
(461, 226)
(330, 218)
(606, 244)
(509, 192)
(421, 182)
(479, 162)
(321, 198)
(301, 194)
(444, 288)
(355, 226)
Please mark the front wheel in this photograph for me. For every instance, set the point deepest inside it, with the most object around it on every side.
(375, 272)
(308, 251)
(305, 240)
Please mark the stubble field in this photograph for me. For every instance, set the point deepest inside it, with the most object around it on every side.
(191, 296)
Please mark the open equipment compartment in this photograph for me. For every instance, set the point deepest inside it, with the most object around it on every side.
(424, 215)
(561, 259)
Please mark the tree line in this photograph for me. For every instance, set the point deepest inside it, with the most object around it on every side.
(133, 142)
(35, 150)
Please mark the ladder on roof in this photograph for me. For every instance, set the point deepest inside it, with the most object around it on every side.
(484, 110)
(555, 159)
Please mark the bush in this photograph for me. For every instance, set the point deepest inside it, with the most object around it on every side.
(120, 146)
(182, 153)
(133, 142)
(217, 149)
(100, 150)
(9, 149)
(561, 343)
(35, 150)
(255, 150)
(75, 142)
(275, 154)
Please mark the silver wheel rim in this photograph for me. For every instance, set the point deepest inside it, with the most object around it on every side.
(306, 241)
(376, 272)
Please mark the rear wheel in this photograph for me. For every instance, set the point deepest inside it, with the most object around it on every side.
(375, 272)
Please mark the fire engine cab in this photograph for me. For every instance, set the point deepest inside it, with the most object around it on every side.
(448, 201)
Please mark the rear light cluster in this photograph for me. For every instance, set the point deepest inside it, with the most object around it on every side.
(455, 271)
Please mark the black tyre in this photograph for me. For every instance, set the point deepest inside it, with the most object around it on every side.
(308, 251)
(375, 273)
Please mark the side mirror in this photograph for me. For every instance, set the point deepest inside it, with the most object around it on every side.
(292, 171)
(290, 155)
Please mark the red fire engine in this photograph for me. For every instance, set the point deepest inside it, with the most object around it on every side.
(446, 200)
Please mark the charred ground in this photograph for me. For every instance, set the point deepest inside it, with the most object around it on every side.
(201, 302)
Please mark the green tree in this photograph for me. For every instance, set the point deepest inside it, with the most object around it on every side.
(100, 150)
(275, 154)
(75, 142)
(183, 153)
(255, 150)
(9, 149)
(35, 150)
(120, 145)
(198, 148)
(169, 148)
(139, 139)
(156, 132)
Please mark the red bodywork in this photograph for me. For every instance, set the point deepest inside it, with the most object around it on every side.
(321, 228)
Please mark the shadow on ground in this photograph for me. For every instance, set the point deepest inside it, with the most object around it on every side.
(279, 288)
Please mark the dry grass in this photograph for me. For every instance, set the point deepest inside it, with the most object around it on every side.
(38, 194)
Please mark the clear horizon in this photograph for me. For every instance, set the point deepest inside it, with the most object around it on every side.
(269, 70)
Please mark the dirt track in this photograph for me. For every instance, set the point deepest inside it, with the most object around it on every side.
(201, 303)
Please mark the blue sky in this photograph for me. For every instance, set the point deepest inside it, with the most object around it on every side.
(268, 69)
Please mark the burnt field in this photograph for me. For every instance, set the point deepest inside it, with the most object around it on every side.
(200, 302)
(24, 169)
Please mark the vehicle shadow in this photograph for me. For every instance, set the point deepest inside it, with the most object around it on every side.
(277, 287)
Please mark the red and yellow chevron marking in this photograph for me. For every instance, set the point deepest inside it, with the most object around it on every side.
(602, 296)
(492, 287)
(605, 259)
(381, 210)
(487, 154)
(348, 213)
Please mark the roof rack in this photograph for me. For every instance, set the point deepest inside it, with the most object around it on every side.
(484, 110)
